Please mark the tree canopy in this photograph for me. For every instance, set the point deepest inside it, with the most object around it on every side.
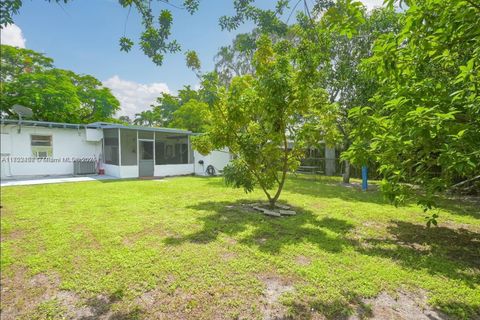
(423, 125)
(29, 78)
(187, 110)
(268, 119)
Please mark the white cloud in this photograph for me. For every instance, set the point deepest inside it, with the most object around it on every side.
(13, 36)
(134, 97)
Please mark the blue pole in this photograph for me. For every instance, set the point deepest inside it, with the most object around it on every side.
(364, 178)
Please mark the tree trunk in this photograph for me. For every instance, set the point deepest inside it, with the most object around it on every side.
(272, 203)
(346, 174)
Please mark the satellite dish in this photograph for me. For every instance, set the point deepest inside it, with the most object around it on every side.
(23, 112)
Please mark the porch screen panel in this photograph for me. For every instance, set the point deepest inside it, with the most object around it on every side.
(128, 141)
(190, 159)
(171, 148)
(110, 150)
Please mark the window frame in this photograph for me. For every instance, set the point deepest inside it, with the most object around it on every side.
(36, 149)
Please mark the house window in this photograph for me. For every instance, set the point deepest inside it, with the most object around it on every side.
(41, 146)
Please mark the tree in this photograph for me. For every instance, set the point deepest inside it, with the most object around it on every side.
(166, 105)
(267, 120)
(15, 61)
(162, 113)
(125, 120)
(423, 126)
(146, 118)
(343, 79)
(236, 59)
(193, 115)
(346, 82)
(29, 79)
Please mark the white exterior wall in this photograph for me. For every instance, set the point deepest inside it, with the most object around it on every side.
(218, 159)
(128, 172)
(82, 143)
(111, 170)
(121, 171)
(165, 170)
(66, 143)
(94, 134)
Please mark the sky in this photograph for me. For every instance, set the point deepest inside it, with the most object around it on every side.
(83, 35)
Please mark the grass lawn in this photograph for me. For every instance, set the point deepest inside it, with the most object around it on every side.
(184, 248)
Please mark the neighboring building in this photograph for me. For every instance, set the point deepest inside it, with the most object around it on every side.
(36, 148)
(318, 160)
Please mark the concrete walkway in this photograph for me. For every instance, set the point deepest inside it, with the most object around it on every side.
(26, 181)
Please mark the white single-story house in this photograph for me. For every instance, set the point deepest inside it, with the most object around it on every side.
(38, 148)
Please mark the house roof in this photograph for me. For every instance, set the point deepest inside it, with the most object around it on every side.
(95, 125)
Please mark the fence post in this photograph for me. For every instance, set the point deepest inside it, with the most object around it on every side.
(364, 178)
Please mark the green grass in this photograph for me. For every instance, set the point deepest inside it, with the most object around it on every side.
(181, 241)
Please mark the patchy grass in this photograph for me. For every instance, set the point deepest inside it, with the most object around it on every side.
(183, 248)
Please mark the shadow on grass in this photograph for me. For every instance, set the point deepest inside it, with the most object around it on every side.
(332, 309)
(445, 251)
(330, 187)
(269, 234)
(101, 306)
(324, 187)
(449, 252)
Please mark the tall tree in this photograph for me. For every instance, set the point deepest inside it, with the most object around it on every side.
(424, 124)
(268, 119)
(346, 82)
(28, 78)
(125, 120)
(146, 118)
(15, 62)
(236, 59)
(193, 115)
(166, 104)
(162, 113)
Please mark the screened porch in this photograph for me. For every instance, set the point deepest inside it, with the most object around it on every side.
(146, 152)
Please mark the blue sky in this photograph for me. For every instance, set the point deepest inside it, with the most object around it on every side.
(83, 36)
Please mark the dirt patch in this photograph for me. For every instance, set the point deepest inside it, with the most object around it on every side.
(228, 256)
(319, 205)
(231, 241)
(21, 294)
(303, 260)
(275, 287)
(38, 297)
(181, 304)
(14, 235)
(402, 305)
